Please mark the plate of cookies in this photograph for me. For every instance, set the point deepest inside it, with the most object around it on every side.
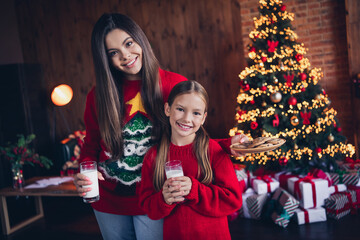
(260, 144)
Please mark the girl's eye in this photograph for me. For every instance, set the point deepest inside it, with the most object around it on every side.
(113, 53)
(129, 43)
(180, 109)
(197, 113)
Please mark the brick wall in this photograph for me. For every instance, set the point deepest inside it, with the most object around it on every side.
(321, 26)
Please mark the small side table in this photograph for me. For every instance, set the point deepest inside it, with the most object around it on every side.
(66, 189)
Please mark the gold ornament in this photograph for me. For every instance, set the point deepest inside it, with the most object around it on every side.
(296, 147)
(276, 80)
(294, 120)
(275, 97)
(318, 97)
(331, 138)
(263, 104)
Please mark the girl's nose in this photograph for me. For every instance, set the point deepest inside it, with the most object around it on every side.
(187, 117)
(125, 54)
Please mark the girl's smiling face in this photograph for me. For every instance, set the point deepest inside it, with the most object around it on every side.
(186, 115)
(124, 53)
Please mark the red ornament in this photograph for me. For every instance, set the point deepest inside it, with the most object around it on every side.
(298, 57)
(256, 36)
(303, 76)
(263, 59)
(303, 89)
(275, 122)
(252, 49)
(306, 117)
(263, 88)
(318, 150)
(283, 8)
(272, 45)
(289, 79)
(246, 87)
(252, 102)
(254, 125)
(324, 92)
(338, 129)
(292, 101)
(283, 161)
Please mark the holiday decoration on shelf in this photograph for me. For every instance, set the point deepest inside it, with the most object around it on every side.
(280, 96)
(21, 153)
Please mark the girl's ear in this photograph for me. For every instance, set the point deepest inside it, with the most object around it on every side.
(167, 109)
(205, 114)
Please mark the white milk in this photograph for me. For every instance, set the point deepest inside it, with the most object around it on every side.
(174, 173)
(92, 175)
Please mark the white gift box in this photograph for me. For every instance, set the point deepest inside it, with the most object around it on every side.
(306, 197)
(337, 188)
(245, 211)
(260, 186)
(313, 215)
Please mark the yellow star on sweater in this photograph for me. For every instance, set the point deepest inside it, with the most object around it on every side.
(136, 104)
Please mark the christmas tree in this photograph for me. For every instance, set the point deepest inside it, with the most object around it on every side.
(280, 96)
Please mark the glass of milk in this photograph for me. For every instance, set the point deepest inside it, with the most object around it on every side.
(173, 169)
(89, 169)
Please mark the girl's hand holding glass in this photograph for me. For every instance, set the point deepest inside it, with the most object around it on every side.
(80, 180)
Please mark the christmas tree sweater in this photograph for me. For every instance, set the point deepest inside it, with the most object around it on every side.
(118, 191)
(203, 213)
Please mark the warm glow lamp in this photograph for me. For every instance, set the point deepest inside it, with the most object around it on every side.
(61, 95)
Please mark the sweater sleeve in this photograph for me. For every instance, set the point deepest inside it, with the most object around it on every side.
(223, 196)
(91, 148)
(225, 144)
(152, 202)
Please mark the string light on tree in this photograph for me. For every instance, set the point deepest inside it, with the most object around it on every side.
(281, 97)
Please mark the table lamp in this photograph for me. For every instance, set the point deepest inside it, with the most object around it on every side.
(60, 96)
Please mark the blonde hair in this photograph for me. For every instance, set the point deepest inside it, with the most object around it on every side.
(201, 142)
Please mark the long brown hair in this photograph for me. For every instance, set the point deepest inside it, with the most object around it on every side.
(109, 99)
(201, 142)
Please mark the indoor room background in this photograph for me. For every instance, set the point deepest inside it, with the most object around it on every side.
(47, 42)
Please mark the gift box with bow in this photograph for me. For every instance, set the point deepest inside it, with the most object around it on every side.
(337, 188)
(264, 184)
(345, 177)
(311, 215)
(341, 204)
(283, 177)
(309, 190)
(242, 175)
(350, 164)
(281, 207)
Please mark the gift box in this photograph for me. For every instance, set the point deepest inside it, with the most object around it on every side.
(357, 191)
(318, 173)
(311, 215)
(282, 207)
(242, 175)
(341, 204)
(337, 188)
(252, 204)
(345, 177)
(283, 177)
(350, 164)
(264, 184)
(310, 191)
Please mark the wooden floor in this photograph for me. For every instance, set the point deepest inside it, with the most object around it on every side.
(70, 219)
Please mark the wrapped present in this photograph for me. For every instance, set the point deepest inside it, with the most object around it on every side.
(350, 164)
(341, 204)
(264, 184)
(255, 204)
(252, 204)
(345, 177)
(311, 215)
(318, 173)
(282, 207)
(337, 188)
(283, 177)
(242, 175)
(357, 191)
(309, 190)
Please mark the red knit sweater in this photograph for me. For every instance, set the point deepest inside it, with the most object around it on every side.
(203, 214)
(115, 196)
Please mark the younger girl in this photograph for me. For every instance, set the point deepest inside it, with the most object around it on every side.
(196, 205)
